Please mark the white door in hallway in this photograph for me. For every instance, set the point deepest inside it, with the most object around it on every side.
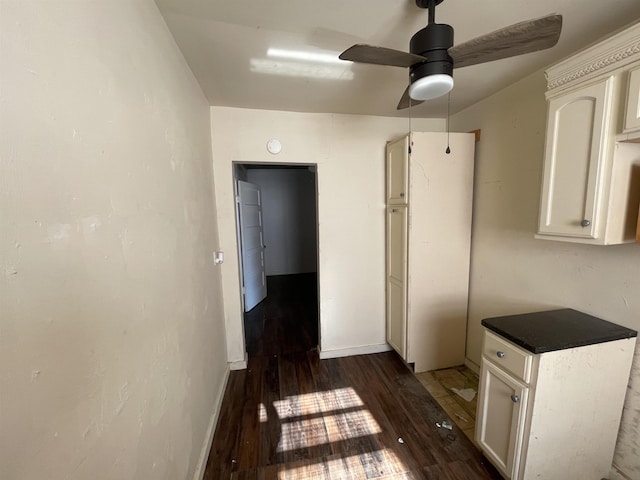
(251, 244)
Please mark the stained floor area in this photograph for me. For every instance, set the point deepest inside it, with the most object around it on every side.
(441, 384)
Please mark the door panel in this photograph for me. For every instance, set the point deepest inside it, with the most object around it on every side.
(398, 171)
(397, 278)
(501, 409)
(251, 244)
(574, 149)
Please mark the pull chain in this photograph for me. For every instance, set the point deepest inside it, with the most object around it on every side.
(410, 115)
(448, 150)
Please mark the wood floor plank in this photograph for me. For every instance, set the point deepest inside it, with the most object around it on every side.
(225, 441)
(270, 424)
(248, 445)
(383, 405)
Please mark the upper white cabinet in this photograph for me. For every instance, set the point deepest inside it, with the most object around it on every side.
(576, 148)
(398, 171)
(428, 247)
(632, 117)
(589, 188)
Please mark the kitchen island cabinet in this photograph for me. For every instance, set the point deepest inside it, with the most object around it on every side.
(552, 388)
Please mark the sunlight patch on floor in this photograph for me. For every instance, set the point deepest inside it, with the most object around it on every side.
(317, 402)
(379, 464)
(330, 428)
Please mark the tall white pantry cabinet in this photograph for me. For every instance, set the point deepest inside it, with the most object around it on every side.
(428, 241)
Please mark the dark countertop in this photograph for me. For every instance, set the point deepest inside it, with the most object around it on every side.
(541, 332)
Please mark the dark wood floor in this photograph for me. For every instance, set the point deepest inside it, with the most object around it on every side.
(293, 416)
(287, 320)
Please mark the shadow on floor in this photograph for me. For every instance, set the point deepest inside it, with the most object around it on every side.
(287, 320)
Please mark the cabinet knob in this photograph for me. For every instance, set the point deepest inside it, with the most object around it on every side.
(394, 210)
(500, 354)
(585, 223)
(515, 398)
(401, 194)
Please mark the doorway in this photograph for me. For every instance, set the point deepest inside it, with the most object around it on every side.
(287, 319)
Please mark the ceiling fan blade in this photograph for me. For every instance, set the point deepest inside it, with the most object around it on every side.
(362, 53)
(406, 101)
(518, 39)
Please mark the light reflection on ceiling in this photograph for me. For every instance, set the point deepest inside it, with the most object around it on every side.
(321, 64)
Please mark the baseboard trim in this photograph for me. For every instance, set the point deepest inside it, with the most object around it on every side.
(241, 364)
(619, 473)
(472, 366)
(211, 429)
(348, 352)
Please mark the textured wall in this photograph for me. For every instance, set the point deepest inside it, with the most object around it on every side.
(511, 272)
(112, 351)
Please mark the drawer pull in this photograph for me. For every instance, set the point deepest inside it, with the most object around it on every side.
(515, 398)
(500, 354)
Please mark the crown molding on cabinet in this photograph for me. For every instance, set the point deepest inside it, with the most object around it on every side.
(612, 53)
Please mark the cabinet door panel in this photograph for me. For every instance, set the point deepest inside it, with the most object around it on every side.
(398, 171)
(574, 155)
(632, 118)
(500, 419)
(397, 278)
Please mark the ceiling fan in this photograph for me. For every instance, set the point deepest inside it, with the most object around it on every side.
(433, 55)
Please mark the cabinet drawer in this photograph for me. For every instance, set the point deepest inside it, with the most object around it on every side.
(507, 356)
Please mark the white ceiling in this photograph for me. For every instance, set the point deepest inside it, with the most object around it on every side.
(226, 42)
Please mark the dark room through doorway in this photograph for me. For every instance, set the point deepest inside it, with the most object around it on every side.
(276, 213)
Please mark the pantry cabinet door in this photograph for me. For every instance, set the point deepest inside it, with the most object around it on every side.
(397, 279)
(398, 171)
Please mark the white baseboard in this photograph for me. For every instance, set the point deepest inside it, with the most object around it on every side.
(618, 473)
(348, 352)
(472, 366)
(211, 429)
(241, 364)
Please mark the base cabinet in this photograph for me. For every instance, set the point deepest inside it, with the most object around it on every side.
(502, 407)
(553, 415)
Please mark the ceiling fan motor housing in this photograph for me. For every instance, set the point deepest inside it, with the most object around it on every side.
(432, 42)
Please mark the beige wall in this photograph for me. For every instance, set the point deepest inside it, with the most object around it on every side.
(349, 152)
(511, 272)
(112, 349)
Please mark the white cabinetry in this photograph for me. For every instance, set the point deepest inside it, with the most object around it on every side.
(632, 115)
(397, 278)
(576, 149)
(588, 185)
(551, 415)
(428, 245)
(398, 171)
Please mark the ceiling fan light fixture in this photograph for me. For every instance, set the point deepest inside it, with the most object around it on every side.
(431, 86)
